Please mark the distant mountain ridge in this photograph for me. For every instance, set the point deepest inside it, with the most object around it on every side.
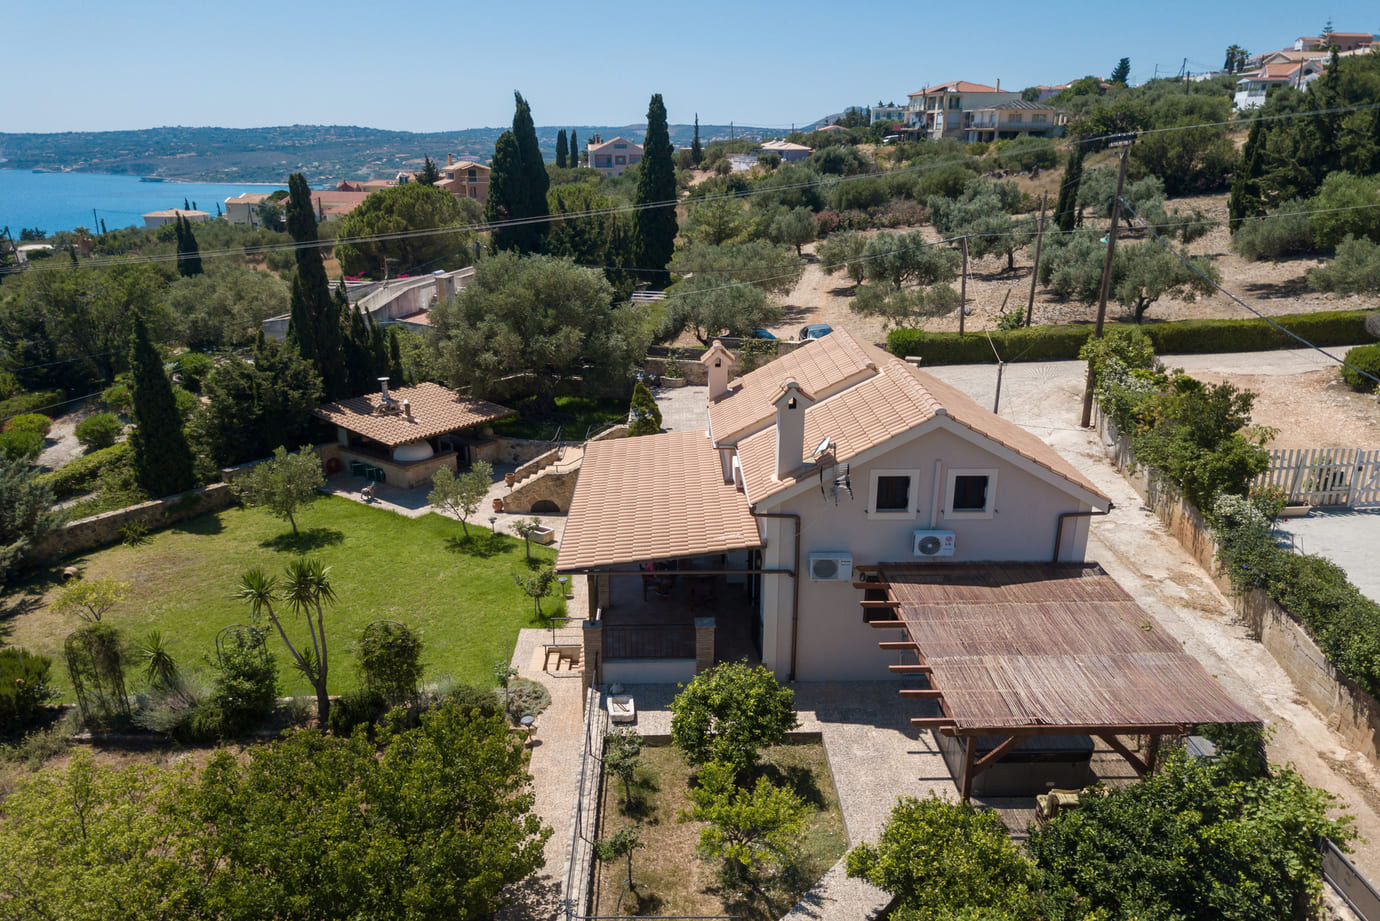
(325, 153)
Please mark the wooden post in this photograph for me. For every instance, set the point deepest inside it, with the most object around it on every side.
(1035, 272)
(969, 757)
(963, 287)
(1106, 281)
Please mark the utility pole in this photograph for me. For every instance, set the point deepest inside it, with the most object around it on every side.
(963, 287)
(1035, 272)
(1124, 141)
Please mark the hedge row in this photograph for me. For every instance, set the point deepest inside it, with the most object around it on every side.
(22, 403)
(1182, 337)
(80, 475)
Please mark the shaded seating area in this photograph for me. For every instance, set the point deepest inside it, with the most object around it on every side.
(1014, 652)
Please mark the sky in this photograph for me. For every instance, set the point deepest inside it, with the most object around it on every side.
(96, 65)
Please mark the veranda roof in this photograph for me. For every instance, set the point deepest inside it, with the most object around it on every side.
(654, 497)
(1038, 648)
(435, 411)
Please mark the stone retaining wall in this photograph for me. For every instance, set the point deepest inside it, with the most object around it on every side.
(100, 530)
(553, 486)
(1350, 712)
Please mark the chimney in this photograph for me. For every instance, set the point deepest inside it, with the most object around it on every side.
(999, 84)
(407, 410)
(450, 161)
(719, 361)
(384, 398)
(790, 403)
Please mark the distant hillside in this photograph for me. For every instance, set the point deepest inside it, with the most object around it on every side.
(323, 153)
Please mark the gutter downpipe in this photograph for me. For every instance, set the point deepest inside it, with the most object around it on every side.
(795, 580)
(1059, 525)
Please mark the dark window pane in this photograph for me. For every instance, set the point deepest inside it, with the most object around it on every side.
(970, 494)
(893, 493)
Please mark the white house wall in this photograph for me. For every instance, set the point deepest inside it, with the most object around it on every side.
(834, 643)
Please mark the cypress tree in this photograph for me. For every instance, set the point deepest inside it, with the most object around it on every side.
(186, 206)
(505, 192)
(315, 313)
(1065, 209)
(534, 175)
(162, 459)
(696, 151)
(560, 149)
(1245, 199)
(574, 152)
(429, 174)
(188, 253)
(395, 364)
(656, 182)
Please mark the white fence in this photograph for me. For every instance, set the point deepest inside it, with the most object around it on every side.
(1325, 476)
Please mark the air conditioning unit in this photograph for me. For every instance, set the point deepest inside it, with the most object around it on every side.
(934, 543)
(831, 567)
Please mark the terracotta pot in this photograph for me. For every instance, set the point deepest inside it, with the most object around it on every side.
(509, 478)
(498, 505)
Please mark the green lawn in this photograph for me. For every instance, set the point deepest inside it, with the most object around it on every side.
(459, 595)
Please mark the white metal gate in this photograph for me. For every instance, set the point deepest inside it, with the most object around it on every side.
(1325, 476)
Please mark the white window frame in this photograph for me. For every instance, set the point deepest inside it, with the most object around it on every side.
(909, 513)
(952, 482)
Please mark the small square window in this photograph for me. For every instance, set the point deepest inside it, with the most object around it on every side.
(893, 494)
(972, 492)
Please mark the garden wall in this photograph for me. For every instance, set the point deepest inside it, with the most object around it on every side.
(552, 486)
(99, 530)
(1348, 711)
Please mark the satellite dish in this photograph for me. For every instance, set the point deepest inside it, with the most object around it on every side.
(822, 447)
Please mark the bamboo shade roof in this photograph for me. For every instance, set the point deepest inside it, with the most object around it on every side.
(1030, 646)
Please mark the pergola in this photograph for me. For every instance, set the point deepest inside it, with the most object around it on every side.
(1015, 650)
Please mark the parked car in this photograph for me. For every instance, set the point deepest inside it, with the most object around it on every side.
(815, 331)
(760, 334)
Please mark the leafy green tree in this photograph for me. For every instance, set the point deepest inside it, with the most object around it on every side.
(909, 259)
(316, 321)
(162, 459)
(428, 175)
(1189, 159)
(714, 222)
(710, 306)
(1236, 59)
(794, 228)
(1147, 271)
(1345, 206)
(622, 756)
(224, 307)
(26, 511)
(904, 307)
(531, 326)
(844, 251)
(188, 253)
(619, 845)
(461, 495)
(756, 831)
(283, 484)
(1122, 72)
(389, 658)
(536, 585)
(306, 591)
(585, 239)
(644, 413)
(656, 194)
(97, 656)
(1190, 841)
(1356, 270)
(420, 224)
(561, 153)
(729, 712)
(244, 687)
(770, 267)
(90, 599)
(696, 151)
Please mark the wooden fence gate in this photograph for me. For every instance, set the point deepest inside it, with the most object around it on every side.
(1325, 476)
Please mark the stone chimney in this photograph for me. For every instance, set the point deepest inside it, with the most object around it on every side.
(790, 403)
(719, 362)
(407, 410)
(450, 160)
(999, 84)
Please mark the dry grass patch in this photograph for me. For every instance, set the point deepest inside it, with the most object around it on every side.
(670, 878)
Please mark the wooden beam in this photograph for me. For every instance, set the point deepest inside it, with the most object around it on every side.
(887, 624)
(899, 644)
(911, 669)
(924, 694)
(969, 755)
(933, 722)
(880, 604)
(1140, 767)
(995, 754)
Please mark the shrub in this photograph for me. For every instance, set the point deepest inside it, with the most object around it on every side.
(36, 748)
(99, 431)
(118, 398)
(243, 691)
(96, 657)
(523, 698)
(22, 403)
(192, 369)
(21, 444)
(1362, 358)
(30, 422)
(81, 474)
(390, 661)
(23, 687)
(1131, 346)
(756, 831)
(360, 707)
(1286, 232)
(171, 711)
(729, 712)
(472, 699)
(1356, 269)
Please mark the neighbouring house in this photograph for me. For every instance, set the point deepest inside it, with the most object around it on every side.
(612, 157)
(1014, 118)
(1252, 88)
(888, 113)
(465, 179)
(402, 437)
(332, 205)
(159, 218)
(791, 153)
(1344, 41)
(944, 111)
(844, 515)
(243, 209)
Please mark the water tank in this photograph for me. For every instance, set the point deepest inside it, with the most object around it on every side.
(412, 451)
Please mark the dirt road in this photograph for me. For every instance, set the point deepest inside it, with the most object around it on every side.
(1133, 546)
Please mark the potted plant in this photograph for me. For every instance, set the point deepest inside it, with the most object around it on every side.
(671, 375)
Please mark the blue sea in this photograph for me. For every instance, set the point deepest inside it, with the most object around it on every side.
(63, 201)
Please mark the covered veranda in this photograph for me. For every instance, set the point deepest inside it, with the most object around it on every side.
(670, 552)
(1012, 655)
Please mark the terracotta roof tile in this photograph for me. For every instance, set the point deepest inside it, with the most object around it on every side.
(435, 411)
(654, 497)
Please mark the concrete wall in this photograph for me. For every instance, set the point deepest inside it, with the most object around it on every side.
(646, 671)
(834, 642)
(1350, 712)
(99, 530)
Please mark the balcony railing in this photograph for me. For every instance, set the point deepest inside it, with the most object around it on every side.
(649, 641)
